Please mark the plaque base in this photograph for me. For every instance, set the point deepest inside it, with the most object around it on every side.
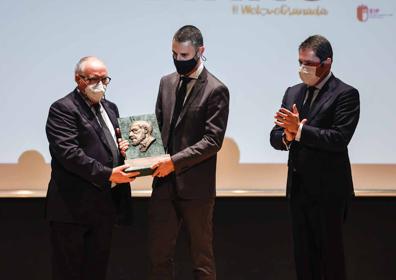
(143, 165)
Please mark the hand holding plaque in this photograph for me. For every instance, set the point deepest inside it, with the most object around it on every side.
(145, 144)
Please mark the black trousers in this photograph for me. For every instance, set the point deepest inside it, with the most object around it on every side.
(80, 252)
(165, 219)
(317, 236)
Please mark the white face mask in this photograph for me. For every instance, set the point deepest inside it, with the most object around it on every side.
(95, 92)
(308, 75)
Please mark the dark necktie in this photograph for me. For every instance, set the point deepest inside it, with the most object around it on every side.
(180, 96)
(304, 112)
(108, 136)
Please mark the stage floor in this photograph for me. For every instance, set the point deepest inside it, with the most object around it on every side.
(252, 241)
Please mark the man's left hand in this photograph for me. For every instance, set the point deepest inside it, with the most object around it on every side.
(287, 119)
(163, 168)
(123, 146)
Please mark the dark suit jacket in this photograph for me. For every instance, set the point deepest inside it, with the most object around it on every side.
(79, 190)
(198, 135)
(321, 157)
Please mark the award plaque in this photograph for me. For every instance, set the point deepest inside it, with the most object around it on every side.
(145, 143)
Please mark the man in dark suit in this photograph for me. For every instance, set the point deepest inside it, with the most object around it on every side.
(83, 199)
(192, 111)
(315, 124)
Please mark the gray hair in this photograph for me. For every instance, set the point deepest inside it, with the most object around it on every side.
(79, 69)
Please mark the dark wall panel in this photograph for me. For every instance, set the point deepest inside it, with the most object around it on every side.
(252, 241)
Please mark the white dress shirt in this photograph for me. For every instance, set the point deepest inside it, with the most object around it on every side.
(107, 121)
(104, 116)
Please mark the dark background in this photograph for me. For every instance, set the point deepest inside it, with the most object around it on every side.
(252, 241)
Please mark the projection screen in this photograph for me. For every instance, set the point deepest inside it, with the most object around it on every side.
(251, 45)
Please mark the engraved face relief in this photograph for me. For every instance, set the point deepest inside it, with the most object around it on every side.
(140, 135)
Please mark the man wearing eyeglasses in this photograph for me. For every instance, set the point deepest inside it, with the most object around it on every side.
(315, 124)
(88, 190)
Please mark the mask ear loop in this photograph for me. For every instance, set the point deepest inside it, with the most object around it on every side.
(201, 56)
(105, 87)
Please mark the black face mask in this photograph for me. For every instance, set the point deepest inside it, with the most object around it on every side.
(184, 67)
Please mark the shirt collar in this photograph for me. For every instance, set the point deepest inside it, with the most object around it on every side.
(324, 81)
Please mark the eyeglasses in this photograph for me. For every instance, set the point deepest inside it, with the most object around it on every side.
(95, 80)
(310, 63)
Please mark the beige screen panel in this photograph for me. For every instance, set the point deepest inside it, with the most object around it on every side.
(30, 176)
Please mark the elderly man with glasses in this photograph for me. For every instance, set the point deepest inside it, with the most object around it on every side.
(88, 190)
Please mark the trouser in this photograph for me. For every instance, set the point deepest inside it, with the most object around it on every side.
(318, 237)
(80, 252)
(165, 219)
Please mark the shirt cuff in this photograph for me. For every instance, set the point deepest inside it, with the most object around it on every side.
(298, 135)
(285, 143)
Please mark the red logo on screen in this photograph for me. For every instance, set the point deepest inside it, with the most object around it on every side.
(362, 13)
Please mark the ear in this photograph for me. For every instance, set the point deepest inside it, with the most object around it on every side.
(324, 68)
(327, 65)
(80, 84)
(328, 62)
(201, 50)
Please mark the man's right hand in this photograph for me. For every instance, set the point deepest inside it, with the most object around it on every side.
(118, 175)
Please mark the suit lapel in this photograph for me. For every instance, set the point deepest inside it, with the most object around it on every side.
(199, 84)
(89, 115)
(172, 96)
(110, 113)
(300, 98)
(323, 96)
